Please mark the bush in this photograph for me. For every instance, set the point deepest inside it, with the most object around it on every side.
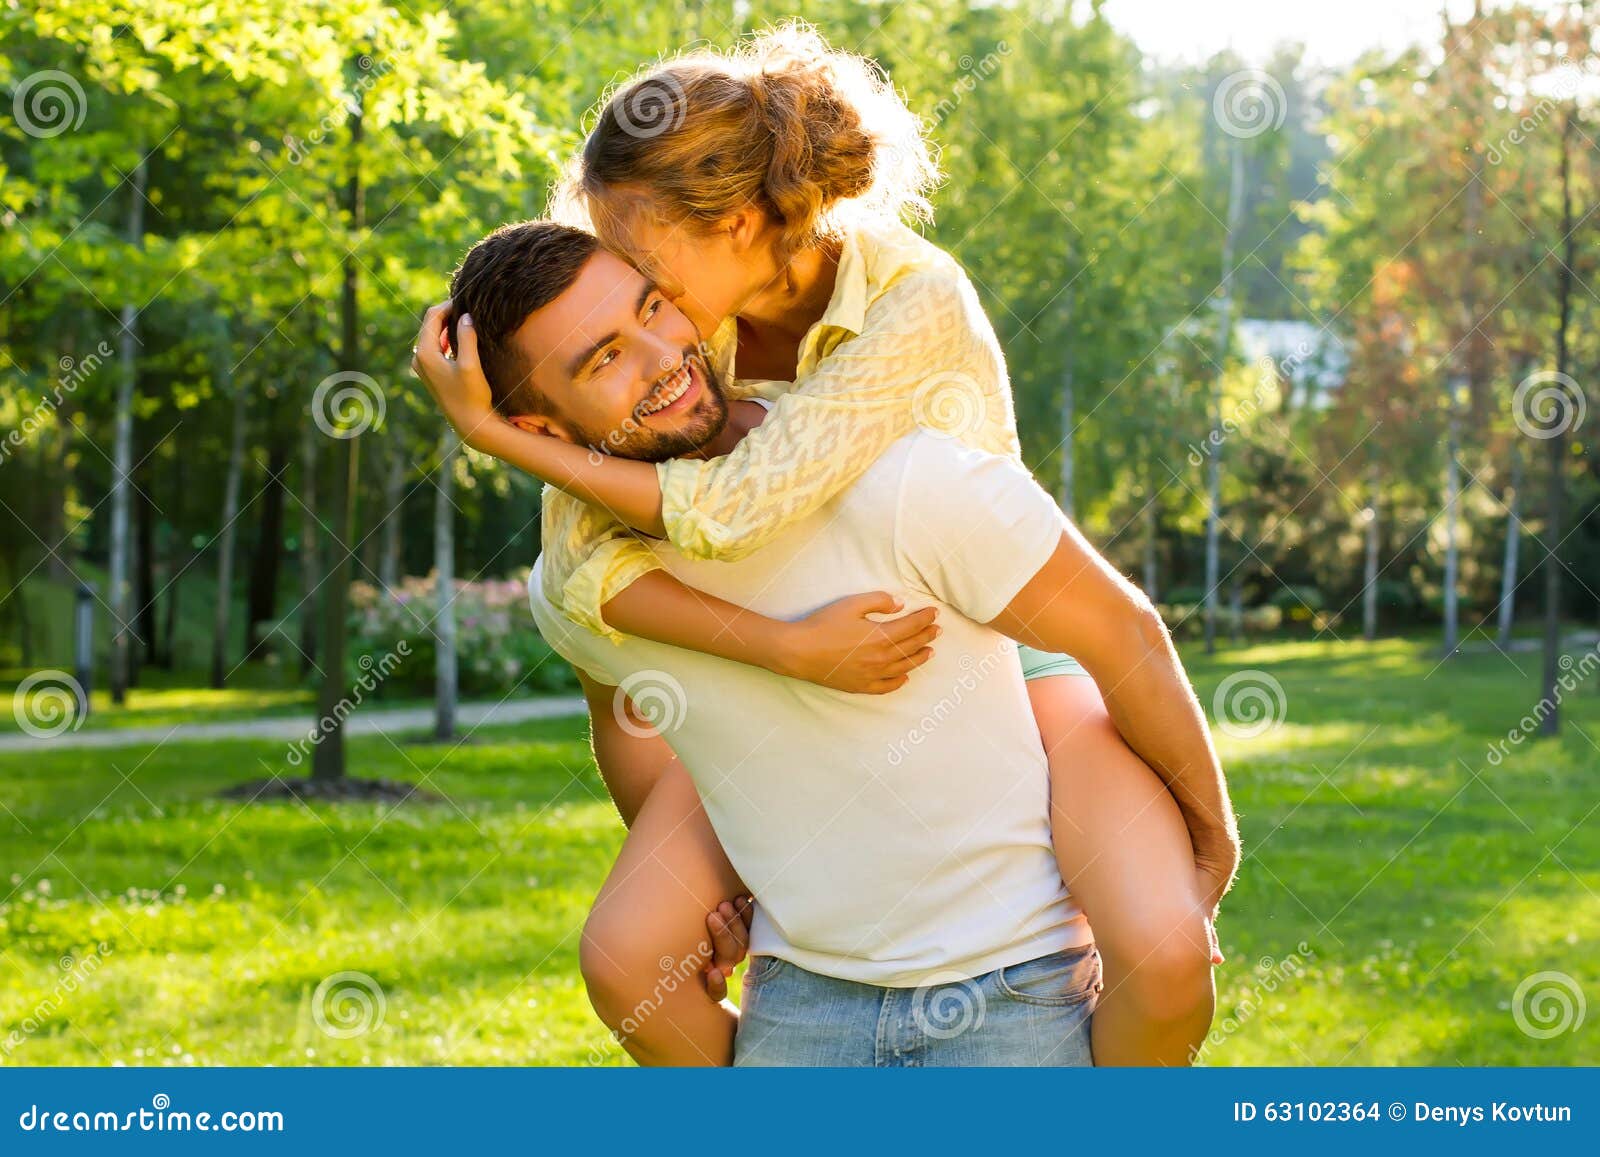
(498, 651)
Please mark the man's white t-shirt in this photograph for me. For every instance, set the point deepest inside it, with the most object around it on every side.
(888, 839)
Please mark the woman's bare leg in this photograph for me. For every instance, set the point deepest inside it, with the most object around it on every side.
(645, 944)
(1125, 854)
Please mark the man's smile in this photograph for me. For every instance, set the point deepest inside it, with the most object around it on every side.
(676, 391)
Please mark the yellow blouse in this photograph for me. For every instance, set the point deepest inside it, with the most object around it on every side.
(903, 343)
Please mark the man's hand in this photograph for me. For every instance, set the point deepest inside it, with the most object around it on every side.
(729, 926)
(1212, 885)
(839, 647)
(457, 383)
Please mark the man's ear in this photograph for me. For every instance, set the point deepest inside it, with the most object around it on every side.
(539, 424)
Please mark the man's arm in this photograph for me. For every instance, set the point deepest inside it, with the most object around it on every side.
(1078, 604)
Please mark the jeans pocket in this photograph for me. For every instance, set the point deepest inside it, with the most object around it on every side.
(1054, 981)
(761, 968)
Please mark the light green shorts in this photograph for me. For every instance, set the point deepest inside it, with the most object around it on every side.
(1040, 664)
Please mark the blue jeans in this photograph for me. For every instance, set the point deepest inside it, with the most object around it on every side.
(1031, 1014)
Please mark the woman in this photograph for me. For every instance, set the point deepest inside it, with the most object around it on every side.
(762, 190)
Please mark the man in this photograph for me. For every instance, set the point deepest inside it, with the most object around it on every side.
(910, 906)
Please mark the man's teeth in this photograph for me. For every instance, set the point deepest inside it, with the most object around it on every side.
(667, 392)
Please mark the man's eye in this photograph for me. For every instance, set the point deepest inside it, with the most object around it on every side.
(652, 309)
(606, 359)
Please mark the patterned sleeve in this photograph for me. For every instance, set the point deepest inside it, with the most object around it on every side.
(926, 356)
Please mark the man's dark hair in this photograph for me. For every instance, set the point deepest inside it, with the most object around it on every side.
(510, 274)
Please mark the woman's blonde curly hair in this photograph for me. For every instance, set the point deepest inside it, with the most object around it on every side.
(814, 136)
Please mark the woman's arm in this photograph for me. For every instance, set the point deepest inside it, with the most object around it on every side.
(837, 646)
(926, 356)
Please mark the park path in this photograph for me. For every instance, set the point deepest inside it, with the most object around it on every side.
(290, 727)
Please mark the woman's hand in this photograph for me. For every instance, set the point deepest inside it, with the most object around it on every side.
(456, 383)
(839, 647)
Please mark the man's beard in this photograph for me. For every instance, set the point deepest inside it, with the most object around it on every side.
(637, 440)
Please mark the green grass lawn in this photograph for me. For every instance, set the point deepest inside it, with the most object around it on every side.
(1423, 882)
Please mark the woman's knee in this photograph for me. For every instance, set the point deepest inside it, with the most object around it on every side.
(1165, 965)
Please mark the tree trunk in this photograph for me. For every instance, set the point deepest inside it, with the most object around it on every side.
(1224, 339)
(328, 761)
(394, 479)
(179, 558)
(144, 576)
(230, 515)
(122, 455)
(261, 598)
(1556, 449)
(1369, 585)
(1508, 572)
(310, 568)
(1452, 496)
(444, 565)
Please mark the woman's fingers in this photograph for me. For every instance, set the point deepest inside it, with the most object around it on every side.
(909, 663)
(908, 627)
(871, 603)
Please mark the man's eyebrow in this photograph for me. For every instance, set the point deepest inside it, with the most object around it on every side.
(575, 367)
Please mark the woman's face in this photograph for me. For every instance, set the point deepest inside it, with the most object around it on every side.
(709, 275)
